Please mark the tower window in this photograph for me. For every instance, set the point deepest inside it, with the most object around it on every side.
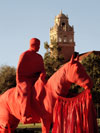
(63, 26)
(60, 39)
(65, 39)
(63, 23)
(70, 40)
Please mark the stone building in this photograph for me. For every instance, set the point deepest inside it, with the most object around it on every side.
(63, 34)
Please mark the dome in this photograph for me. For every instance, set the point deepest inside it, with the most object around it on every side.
(61, 15)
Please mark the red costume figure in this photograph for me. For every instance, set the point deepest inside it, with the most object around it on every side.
(54, 107)
(29, 67)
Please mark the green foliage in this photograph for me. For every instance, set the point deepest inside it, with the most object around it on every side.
(92, 66)
(52, 58)
(96, 96)
(46, 46)
(7, 78)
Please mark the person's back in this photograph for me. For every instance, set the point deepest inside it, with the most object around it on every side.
(29, 67)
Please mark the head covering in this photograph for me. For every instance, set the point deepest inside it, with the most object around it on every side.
(34, 44)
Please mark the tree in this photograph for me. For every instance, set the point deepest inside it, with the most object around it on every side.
(46, 46)
(92, 66)
(52, 58)
(7, 78)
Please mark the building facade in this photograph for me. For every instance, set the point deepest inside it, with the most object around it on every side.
(63, 34)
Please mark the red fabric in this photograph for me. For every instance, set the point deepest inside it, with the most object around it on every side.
(15, 102)
(29, 67)
(34, 44)
(75, 114)
(59, 84)
(71, 72)
(78, 75)
(9, 111)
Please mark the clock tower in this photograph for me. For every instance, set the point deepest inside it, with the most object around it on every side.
(63, 34)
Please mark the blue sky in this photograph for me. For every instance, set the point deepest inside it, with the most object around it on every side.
(21, 20)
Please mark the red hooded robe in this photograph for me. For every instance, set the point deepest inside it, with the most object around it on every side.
(29, 67)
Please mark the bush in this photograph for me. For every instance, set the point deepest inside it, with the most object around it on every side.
(7, 78)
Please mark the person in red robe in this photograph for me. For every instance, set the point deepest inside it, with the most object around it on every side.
(29, 68)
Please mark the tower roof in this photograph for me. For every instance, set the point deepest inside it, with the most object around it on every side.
(61, 15)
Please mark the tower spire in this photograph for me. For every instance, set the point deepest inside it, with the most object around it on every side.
(61, 11)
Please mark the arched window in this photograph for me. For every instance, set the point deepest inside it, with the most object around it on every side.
(60, 40)
(65, 39)
(63, 25)
(70, 40)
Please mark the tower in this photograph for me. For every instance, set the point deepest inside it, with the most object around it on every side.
(63, 34)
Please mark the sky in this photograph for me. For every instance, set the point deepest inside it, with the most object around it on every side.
(21, 20)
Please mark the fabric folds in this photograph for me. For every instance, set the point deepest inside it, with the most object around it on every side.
(75, 115)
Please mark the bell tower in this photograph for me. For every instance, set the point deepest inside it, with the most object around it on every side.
(63, 34)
